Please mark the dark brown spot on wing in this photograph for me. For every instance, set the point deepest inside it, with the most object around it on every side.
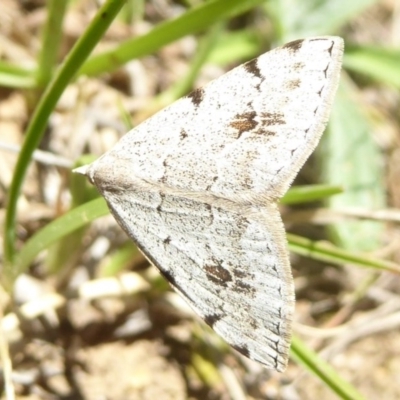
(212, 319)
(263, 132)
(245, 288)
(252, 68)
(196, 96)
(294, 46)
(331, 48)
(272, 119)
(183, 134)
(218, 274)
(239, 273)
(244, 122)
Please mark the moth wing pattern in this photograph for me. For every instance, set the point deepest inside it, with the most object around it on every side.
(245, 135)
(225, 261)
(196, 187)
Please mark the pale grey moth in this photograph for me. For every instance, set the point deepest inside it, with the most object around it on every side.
(196, 187)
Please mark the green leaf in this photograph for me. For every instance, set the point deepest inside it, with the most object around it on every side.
(350, 158)
(296, 19)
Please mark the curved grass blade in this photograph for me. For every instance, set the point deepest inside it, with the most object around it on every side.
(380, 64)
(328, 252)
(56, 230)
(307, 193)
(51, 39)
(303, 355)
(38, 123)
(193, 21)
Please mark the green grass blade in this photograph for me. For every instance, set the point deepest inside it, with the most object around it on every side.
(380, 64)
(303, 355)
(118, 261)
(324, 251)
(16, 77)
(193, 21)
(56, 230)
(64, 254)
(185, 84)
(231, 46)
(51, 38)
(35, 130)
(307, 193)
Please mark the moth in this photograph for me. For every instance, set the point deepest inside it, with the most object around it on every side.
(196, 187)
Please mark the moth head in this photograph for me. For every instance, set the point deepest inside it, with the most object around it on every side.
(86, 170)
